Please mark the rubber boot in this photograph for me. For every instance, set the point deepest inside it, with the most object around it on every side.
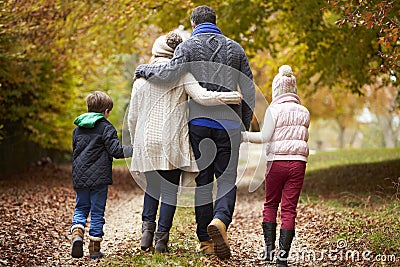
(77, 231)
(161, 240)
(148, 229)
(94, 247)
(269, 230)
(285, 242)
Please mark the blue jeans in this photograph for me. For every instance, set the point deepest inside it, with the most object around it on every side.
(91, 201)
(216, 157)
(162, 184)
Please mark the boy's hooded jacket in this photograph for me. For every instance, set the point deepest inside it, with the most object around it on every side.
(95, 143)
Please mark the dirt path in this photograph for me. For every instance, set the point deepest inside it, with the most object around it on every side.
(122, 228)
(36, 210)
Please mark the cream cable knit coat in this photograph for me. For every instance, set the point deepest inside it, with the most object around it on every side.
(158, 126)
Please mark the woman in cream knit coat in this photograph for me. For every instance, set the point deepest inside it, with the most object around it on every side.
(157, 122)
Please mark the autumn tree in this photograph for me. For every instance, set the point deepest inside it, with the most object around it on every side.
(381, 101)
(380, 17)
(53, 52)
(35, 77)
(340, 106)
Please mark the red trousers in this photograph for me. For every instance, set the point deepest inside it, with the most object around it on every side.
(283, 184)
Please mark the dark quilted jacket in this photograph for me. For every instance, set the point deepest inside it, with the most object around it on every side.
(218, 64)
(94, 147)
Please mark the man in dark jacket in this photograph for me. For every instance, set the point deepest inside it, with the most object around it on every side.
(95, 143)
(219, 64)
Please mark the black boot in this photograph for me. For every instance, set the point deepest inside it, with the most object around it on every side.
(148, 229)
(269, 230)
(285, 241)
(161, 240)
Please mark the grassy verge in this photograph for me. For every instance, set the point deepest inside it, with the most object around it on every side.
(363, 190)
(323, 160)
(375, 228)
(354, 177)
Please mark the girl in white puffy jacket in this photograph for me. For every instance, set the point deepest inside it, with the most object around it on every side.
(285, 130)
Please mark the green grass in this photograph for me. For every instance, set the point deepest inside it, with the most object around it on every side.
(363, 186)
(376, 229)
(324, 160)
(353, 177)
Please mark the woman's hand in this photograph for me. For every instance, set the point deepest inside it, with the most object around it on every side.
(231, 98)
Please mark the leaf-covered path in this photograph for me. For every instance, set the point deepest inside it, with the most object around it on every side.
(36, 208)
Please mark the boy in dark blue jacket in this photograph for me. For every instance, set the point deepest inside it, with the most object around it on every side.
(95, 144)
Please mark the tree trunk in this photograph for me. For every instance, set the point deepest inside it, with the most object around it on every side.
(354, 136)
(389, 135)
(341, 137)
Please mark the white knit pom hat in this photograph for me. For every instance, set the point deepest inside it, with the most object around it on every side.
(284, 82)
(161, 48)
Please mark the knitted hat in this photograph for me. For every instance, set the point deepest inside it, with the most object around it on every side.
(284, 82)
(173, 39)
(165, 45)
(182, 32)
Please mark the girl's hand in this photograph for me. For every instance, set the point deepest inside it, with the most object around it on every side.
(244, 137)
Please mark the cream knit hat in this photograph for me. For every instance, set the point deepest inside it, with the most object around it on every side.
(284, 82)
(165, 45)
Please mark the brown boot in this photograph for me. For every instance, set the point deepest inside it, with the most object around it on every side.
(217, 231)
(207, 247)
(94, 247)
(77, 231)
